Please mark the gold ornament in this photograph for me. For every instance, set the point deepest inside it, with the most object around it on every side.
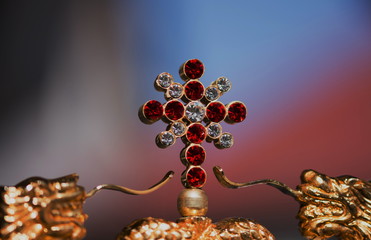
(50, 209)
(198, 118)
(329, 206)
(194, 228)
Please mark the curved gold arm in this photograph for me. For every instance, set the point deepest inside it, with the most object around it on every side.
(162, 182)
(224, 181)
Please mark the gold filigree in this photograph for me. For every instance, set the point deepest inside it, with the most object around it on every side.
(50, 209)
(334, 207)
(330, 207)
(39, 208)
(193, 228)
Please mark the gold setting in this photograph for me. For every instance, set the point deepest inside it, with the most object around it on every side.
(168, 95)
(194, 109)
(157, 83)
(171, 128)
(218, 142)
(219, 94)
(161, 135)
(217, 82)
(210, 138)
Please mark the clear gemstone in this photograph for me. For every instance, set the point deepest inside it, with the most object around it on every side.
(226, 140)
(195, 111)
(178, 128)
(164, 80)
(166, 139)
(223, 84)
(214, 130)
(212, 93)
(176, 90)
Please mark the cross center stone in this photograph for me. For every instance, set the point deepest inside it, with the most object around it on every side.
(195, 111)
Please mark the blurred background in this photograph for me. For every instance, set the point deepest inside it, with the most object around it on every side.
(74, 73)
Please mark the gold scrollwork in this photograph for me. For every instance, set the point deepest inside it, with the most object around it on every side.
(329, 206)
(50, 209)
(195, 228)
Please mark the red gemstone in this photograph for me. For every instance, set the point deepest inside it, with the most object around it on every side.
(195, 155)
(194, 68)
(174, 110)
(196, 133)
(194, 90)
(196, 177)
(153, 110)
(215, 111)
(237, 112)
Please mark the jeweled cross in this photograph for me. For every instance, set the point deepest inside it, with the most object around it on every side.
(188, 106)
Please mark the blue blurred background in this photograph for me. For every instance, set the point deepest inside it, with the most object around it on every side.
(74, 74)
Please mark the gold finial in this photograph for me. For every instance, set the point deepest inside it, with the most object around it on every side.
(194, 121)
(193, 114)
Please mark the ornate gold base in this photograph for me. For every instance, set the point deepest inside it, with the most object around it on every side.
(193, 228)
(39, 208)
